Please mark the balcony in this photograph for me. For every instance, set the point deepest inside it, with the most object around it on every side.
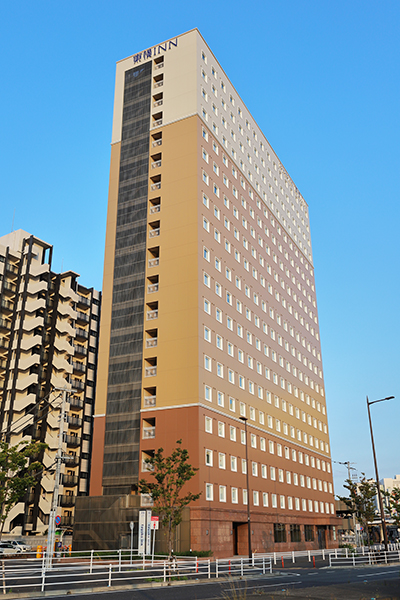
(73, 441)
(157, 143)
(70, 460)
(152, 314)
(150, 371)
(158, 84)
(154, 232)
(11, 268)
(67, 521)
(149, 432)
(74, 422)
(9, 288)
(3, 363)
(6, 306)
(81, 333)
(5, 325)
(157, 122)
(77, 384)
(4, 343)
(154, 262)
(156, 186)
(155, 209)
(78, 366)
(82, 301)
(158, 103)
(66, 500)
(152, 288)
(151, 342)
(81, 350)
(159, 65)
(82, 317)
(149, 401)
(69, 480)
(75, 402)
(146, 468)
(156, 164)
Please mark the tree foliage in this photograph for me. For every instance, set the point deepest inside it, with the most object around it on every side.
(361, 500)
(394, 505)
(18, 472)
(171, 473)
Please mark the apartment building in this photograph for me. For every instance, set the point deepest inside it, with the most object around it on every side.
(209, 310)
(49, 327)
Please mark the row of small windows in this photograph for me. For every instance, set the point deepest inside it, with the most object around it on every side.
(277, 500)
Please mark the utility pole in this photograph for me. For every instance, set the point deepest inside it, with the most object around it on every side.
(54, 508)
(244, 419)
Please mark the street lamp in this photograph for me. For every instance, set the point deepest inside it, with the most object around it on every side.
(385, 538)
(244, 419)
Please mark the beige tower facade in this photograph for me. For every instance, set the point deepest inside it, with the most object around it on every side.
(48, 341)
(209, 310)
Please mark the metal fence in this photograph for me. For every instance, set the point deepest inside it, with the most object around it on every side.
(367, 557)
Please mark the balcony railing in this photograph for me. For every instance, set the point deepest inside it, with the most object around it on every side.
(154, 262)
(156, 186)
(149, 432)
(4, 342)
(157, 143)
(67, 521)
(84, 301)
(152, 314)
(146, 500)
(75, 402)
(11, 268)
(157, 122)
(66, 500)
(155, 164)
(154, 232)
(74, 422)
(151, 342)
(77, 384)
(149, 401)
(158, 103)
(4, 324)
(70, 460)
(158, 84)
(72, 440)
(81, 333)
(80, 349)
(152, 288)
(150, 371)
(146, 468)
(9, 287)
(155, 209)
(77, 366)
(69, 480)
(6, 305)
(159, 65)
(80, 316)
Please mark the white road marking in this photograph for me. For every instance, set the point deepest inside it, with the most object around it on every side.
(376, 574)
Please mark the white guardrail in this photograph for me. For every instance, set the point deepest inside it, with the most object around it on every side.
(26, 573)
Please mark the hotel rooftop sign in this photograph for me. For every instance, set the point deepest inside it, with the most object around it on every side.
(155, 51)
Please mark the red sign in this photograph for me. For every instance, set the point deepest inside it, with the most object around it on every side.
(154, 522)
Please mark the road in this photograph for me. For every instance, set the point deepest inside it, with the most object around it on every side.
(361, 583)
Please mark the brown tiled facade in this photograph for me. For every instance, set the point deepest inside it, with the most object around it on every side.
(223, 297)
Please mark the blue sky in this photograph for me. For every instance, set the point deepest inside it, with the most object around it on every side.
(321, 79)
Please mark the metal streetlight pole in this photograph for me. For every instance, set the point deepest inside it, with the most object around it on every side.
(244, 419)
(349, 469)
(385, 538)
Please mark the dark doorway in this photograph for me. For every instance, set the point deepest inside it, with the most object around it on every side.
(321, 532)
(239, 534)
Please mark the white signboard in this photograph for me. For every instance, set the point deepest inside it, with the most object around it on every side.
(148, 532)
(154, 522)
(142, 532)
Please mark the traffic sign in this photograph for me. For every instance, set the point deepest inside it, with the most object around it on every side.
(58, 519)
(154, 522)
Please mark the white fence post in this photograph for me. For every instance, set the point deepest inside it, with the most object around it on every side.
(43, 579)
(119, 561)
(216, 568)
(323, 554)
(241, 567)
(209, 569)
(91, 561)
(165, 572)
(347, 553)
(109, 575)
(293, 557)
(335, 552)
(263, 565)
(309, 556)
(274, 558)
(354, 560)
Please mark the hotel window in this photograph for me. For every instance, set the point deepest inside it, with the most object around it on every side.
(233, 463)
(229, 323)
(221, 429)
(234, 492)
(205, 177)
(232, 404)
(218, 289)
(206, 225)
(208, 424)
(217, 236)
(265, 499)
(207, 363)
(209, 458)
(206, 254)
(244, 496)
(220, 399)
(206, 201)
(219, 342)
(241, 382)
(255, 498)
(207, 334)
(221, 460)
(232, 433)
(230, 349)
(218, 264)
(207, 393)
(209, 491)
(244, 466)
(207, 307)
(220, 370)
(218, 315)
(231, 376)
(272, 473)
(254, 469)
(205, 155)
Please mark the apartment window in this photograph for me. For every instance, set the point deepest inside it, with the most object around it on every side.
(253, 439)
(220, 398)
(219, 342)
(233, 463)
(220, 370)
(231, 376)
(206, 224)
(209, 491)
(265, 499)
(221, 429)
(234, 495)
(232, 404)
(254, 469)
(274, 501)
(207, 363)
(218, 315)
(208, 424)
(221, 460)
(295, 533)
(245, 497)
(262, 444)
(272, 473)
(244, 466)
(207, 307)
(209, 458)
(232, 433)
(256, 500)
(207, 393)
(207, 334)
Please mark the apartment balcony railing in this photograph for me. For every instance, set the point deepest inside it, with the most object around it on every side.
(80, 316)
(159, 65)
(151, 342)
(70, 460)
(67, 521)
(156, 163)
(66, 500)
(3, 363)
(158, 84)
(9, 287)
(157, 122)
(152, 288)
(154, 232)
(11, 268)
(4, 342)
(157, 143)
(149, 432)
(73, 441)
(83, 301)
(146, 468)
(152, 314)
(75, 402)
(69, 480)
(6, 305)
(154, 262)
(77, 384)
(81, 333)
(77, 366)
(6, 325)
(156, 186)
(146, 500)
(158, 103)
(80, 349)
(149, 401)
(74, 422)
(155, 209)
(150, 371)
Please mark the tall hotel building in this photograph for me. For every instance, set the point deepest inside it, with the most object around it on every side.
(209, 310)
(48, 341)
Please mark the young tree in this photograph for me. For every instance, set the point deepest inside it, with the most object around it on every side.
(361, 501)
(18, 472)
(170, 473)
(394, 505)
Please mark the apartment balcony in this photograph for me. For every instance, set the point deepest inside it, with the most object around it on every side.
(158, 84)
(156, 163)
(80, 350)
(67, 521)
(149, 401)
(158, 103)
(1, 385)
(3, 363)
(74, 422)
(78, 366)
(70, 460)
(151, 342)
(9, 288)
(66, 500)
(82, 317)
(4, 343)
(152, 314)
(154, 262)
(6, 306)
(69, 480)
(146, 500)
(150, 371)
(154, 232)
(77, 384)
(146, 468)
(76, 402)
(152, 288)
(82, 301)
(149, 433)
(157, 123)
(72, 441)
(156, 208)
(81, 334)
(156, 186)
(159, 65)
(156, 143)
(5, 326)
(10, 268)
